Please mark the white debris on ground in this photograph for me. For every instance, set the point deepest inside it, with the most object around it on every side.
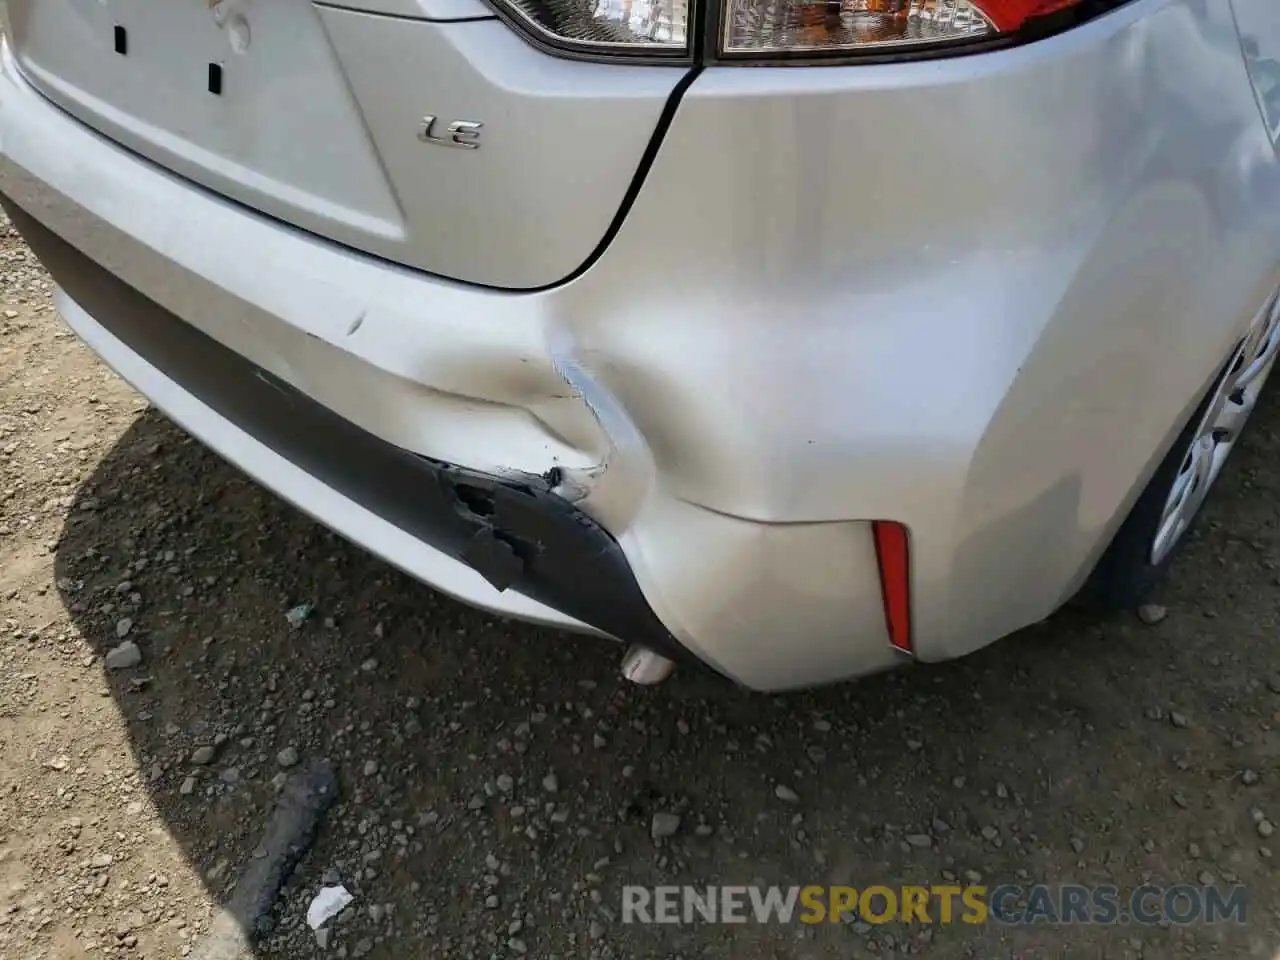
(326, 905)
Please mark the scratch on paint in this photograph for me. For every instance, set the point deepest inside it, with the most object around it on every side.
(358, 322)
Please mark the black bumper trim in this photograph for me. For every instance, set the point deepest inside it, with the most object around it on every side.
(517, 534)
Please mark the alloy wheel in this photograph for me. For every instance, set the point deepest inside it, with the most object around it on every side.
(1234, 398)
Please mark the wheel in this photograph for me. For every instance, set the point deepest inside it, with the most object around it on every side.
(1156, 527)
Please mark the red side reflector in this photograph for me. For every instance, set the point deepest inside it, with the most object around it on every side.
(894, 561)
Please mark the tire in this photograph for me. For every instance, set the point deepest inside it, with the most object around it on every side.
(1151, 536)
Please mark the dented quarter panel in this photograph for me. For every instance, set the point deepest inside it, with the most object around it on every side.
(994, 344)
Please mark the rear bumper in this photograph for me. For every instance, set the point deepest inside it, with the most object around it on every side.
(443, 384)
(540, 557)
(986, 321)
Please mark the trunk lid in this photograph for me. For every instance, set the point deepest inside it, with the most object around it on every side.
(318, 116)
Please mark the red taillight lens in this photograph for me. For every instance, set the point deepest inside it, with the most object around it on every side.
(764, 28)
(1008, 15)
(893, 557)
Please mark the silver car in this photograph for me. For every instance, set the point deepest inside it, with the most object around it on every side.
(799, 337)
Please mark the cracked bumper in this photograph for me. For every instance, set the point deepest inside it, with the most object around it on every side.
(542, 558)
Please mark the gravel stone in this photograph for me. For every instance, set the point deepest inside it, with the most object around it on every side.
(123, 657)
(203, 756)
(1152, 613)
(297, 616)
(664, 824)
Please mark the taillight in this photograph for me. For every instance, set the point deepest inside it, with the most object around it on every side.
(819, 28)
(655, 29)
(782, 31)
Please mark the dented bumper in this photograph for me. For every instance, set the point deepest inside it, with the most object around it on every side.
(513, 531)
(745, 378)
(471, 437)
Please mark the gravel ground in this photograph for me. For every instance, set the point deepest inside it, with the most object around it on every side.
(497, 784)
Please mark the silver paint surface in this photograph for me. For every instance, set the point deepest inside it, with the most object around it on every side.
(979, 296)
(318, 119)
(419, 9)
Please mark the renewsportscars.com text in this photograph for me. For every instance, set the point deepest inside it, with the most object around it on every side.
(878, 904)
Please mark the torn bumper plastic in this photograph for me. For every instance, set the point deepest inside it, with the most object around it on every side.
(515, 533)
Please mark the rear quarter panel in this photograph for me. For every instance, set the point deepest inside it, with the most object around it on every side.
(978, 295)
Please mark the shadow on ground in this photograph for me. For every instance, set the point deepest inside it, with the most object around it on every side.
(1048, 758)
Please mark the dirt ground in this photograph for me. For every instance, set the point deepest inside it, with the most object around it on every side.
(497, 783)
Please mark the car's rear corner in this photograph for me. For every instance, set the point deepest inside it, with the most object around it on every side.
(797, 374)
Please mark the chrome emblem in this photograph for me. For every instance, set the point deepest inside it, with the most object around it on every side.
(464, 134)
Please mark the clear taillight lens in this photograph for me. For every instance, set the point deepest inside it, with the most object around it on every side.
(765, 27)
(643, 27)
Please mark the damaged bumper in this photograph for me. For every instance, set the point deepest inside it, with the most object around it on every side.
(693, 437)
(491, 444)
(524, 540)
